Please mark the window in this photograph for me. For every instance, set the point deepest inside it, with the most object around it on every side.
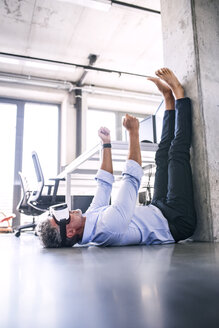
(41, 135)
(110, 119)
(96, 119)
(125, 136)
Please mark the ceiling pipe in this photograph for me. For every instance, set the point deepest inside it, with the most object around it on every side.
(69, 86)
(86, 67)
(34, 81)
(105, 5)
(121, 93)
(132, 6)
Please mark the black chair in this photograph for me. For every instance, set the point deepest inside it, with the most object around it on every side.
(36, 202)
(38, 198)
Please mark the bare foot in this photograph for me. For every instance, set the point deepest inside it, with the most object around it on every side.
(163, 87)
(166, 91)
(170, 78)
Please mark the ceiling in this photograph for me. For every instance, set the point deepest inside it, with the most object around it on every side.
(125, 39)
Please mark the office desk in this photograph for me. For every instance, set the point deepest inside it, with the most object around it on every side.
(80, 173)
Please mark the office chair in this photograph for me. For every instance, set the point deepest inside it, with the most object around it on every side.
(37, 198)
(24, 208)
(36, 202)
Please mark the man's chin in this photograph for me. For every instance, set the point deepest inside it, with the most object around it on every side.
(79, 211)
(72, 241)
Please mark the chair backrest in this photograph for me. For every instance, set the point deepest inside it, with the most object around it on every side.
(24, 189)
(40, 178)
(39, 200)
(23, 206)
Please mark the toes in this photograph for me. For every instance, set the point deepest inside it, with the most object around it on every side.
(167, 70)
(163, 70)
(159, 72)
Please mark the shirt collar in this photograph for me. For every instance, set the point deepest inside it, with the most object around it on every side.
(88, 228)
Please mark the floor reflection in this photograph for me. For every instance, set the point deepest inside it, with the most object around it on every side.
(138, 286)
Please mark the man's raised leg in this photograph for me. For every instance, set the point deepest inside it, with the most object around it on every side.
(179, 206)
(161, 158)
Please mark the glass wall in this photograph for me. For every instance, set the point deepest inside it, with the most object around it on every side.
(8, 113)
(25, 127)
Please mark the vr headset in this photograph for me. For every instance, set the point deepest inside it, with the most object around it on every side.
(60, 214)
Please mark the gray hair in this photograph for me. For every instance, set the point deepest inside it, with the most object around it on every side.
(49, 235)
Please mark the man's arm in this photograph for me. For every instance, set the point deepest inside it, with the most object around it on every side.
(104, 176)
(131, 123)
(106, 164)
(117, 217)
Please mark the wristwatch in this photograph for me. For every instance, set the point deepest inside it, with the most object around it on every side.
(107, 145)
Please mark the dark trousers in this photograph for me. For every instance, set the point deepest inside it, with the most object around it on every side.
(173, 190)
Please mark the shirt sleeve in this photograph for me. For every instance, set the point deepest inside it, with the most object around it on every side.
(117, 217)
(133, 169)
(103, 191)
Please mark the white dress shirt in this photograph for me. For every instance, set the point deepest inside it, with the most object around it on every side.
(123, 223)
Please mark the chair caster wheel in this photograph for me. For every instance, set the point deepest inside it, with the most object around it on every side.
(17, 233)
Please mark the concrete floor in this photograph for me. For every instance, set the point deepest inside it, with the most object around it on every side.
(137, 286)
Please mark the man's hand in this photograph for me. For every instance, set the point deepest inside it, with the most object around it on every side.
(131, 123)
(104, 135)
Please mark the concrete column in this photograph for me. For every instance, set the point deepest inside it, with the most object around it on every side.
(68, 128)
(191, 50)
(84, 108)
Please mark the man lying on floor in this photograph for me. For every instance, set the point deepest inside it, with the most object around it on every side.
(169, 218)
